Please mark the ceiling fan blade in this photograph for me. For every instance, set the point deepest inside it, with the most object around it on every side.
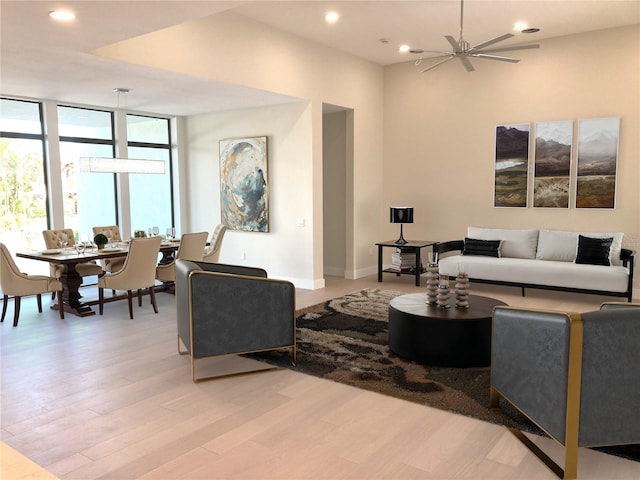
(451, 57)
(494, 57)
(491, 42)
(467, 64)
(507, 49)
(454, 43)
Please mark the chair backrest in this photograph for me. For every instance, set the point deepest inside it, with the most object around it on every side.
(113, 230)
(53, 238)
(8, 268)
(192, 246)
(212, 253)
(139, 270)
(14, 282)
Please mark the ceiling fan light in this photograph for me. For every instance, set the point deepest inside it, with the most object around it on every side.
(520, 26)
(62, 15)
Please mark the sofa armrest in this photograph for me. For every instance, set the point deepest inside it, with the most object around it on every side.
(450, 246)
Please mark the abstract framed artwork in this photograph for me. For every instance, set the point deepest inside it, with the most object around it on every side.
(244, 184)
(552, 164)
(511, 165)
(597, 162)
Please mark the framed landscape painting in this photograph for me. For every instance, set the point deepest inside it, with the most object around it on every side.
(597, 162)
(552, 160)
(244, 184)
(511, 165)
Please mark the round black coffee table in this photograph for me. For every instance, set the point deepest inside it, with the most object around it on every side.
(446, 337)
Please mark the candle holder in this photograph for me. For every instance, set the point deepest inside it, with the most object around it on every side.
(443, 292)
(432, 283)
(462, 290)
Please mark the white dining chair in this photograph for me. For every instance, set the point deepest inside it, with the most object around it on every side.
(212, 252)
(55, 239)
(17, 284)
(137, 273)
(191, 248)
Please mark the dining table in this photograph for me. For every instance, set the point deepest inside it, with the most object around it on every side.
(71, 279)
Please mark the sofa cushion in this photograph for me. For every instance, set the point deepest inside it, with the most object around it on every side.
(538, 272)
(594, 251)
(488, 248)
(515, 243)
(557, 246)
(562, 246)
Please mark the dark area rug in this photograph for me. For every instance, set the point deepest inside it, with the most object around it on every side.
(345, 340)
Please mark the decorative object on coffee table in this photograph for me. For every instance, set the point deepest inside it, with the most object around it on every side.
(401, 215)
(432, 283)
(462, 290)
(443, 292)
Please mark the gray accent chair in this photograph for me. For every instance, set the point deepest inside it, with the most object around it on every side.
(229, 310)
(576, 376)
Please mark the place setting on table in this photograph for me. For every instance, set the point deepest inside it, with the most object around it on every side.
(68, 255)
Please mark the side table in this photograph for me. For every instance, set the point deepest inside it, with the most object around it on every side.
(415, 245)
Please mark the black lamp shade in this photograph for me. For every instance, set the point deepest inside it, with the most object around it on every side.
(401, 215)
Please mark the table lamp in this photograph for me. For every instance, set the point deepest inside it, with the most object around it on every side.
(401, 215)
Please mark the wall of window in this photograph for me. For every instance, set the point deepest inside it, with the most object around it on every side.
(23, 185)
(150, 138)
(41, 185)
(89, 199)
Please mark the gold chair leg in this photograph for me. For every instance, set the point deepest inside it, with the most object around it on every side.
(494, 399)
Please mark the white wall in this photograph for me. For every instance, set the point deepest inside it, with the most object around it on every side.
(439, 145)
(438, 128)
(284, 250)
(334, 150)
(233, 49)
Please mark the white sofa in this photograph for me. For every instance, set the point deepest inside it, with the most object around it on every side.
(539, 258)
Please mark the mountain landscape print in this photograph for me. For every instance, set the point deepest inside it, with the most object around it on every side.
(512, 165)
(597, 162)
(552, 159)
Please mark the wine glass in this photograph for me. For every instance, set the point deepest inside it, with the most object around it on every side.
(63, 240)
(156, 231)
(109, 235)
(171, 233)
(80, 248)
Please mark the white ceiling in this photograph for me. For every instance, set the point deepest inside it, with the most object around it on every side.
(43, 59)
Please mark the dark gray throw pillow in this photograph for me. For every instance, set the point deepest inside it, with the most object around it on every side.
(487, 248)
(594, 251)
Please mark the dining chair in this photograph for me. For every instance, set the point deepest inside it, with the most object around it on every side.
(137, 273)
(55, 239)
(212, 252)
(112, 232)
(191, 248)
(18, 284)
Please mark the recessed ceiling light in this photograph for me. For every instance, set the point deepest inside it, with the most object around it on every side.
(62, 15)
(331, 17)
(531, 30)
(520, 26)
(404, 48)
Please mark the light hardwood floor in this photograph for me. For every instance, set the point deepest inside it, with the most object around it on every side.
(110, 398)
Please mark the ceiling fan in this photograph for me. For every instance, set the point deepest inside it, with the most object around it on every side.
(463, 51)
